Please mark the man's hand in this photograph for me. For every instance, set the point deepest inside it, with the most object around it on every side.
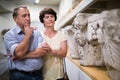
(27, 30)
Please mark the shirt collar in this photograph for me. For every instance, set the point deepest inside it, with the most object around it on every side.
(18, 29)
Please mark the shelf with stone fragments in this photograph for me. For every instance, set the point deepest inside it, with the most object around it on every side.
(95, 73)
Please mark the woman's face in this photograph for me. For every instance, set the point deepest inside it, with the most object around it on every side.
(49, 20)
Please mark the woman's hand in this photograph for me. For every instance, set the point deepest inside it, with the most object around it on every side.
(45, 46)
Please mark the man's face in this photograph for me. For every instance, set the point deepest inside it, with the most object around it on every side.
(23, 17)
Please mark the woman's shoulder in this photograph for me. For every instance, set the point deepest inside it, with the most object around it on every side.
(61, 35)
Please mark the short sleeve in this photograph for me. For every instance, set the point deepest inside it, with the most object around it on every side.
(62, 36)
(10, 42)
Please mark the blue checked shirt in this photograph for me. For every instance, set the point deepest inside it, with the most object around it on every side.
(11, 39)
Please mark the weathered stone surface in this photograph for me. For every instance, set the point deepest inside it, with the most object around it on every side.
(69, 32)
(86, 39)
(95, 38)
(111, 43)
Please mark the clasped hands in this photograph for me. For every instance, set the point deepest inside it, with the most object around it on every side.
(46, 47)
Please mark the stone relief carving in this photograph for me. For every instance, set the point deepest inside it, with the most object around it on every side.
(92, 37)
(95, 40)
(69, 32)
(110, 32)
(89, 49)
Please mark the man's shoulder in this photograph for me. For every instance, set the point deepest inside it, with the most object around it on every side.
(37, 32)
(10, 32)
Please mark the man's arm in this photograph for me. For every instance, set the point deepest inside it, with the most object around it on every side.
(22, 47)
(37, 53)
(62, 51)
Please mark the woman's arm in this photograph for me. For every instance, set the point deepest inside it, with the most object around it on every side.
(62, 51)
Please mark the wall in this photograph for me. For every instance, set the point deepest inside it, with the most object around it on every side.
(64, 7)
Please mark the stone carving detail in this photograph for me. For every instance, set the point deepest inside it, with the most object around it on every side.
(109, 38)
(95, 39)
(89, 49)
(69, 32)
